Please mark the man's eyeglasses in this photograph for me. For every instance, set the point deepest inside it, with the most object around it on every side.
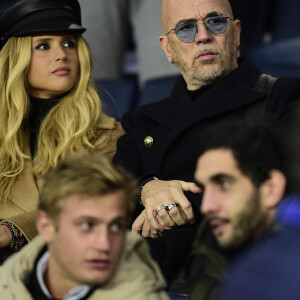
(186, 31)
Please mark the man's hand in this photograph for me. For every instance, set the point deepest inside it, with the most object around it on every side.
(142, 225)
(158, 192)
(5, 236)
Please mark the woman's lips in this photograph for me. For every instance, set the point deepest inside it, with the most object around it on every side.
(61, 71)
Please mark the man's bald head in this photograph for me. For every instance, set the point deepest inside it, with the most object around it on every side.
(168, 6)
(200, 70)
(164, 8)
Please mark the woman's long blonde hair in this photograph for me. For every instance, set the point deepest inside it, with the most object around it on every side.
(69, 127)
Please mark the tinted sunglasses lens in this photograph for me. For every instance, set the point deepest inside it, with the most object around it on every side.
(186, 31)
(216, 25)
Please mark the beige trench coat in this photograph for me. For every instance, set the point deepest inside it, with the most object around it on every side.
(20, 208)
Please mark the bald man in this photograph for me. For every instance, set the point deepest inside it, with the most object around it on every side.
(201, 37)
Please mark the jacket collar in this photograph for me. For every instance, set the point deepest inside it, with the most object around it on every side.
(106, 122)
(236, 90)
(130, 273)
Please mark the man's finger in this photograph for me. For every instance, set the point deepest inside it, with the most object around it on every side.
(164, 218)
(146, 230)
(177, 216)
(150, 213)
(139, 222)
(185, 204)
(190, 187)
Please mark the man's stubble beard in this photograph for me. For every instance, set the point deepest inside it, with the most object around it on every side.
(196, 77)
(249, 224)
(208, 78)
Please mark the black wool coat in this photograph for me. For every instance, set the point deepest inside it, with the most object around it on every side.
(176, 122)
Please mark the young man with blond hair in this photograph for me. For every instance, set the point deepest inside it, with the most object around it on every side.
(84, 250)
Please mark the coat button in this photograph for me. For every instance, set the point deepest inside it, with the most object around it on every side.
(148, 141)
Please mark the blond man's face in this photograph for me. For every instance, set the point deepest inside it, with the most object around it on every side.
(87, 241)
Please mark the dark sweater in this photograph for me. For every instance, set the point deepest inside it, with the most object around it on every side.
(39, 109)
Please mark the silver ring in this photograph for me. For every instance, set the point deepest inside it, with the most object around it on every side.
(170, 206)
(158, 208)
(155, 233)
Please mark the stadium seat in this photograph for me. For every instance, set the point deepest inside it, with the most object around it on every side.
(118, 96)
(5, 3)
(156, 89)
(286, 20)
(279, 59)
(174, 296)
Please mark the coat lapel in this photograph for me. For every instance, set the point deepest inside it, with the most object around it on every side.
(180, 112)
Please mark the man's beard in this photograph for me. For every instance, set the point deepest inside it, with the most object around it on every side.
(206, 79)
(222, 65)
(248, 224)
(201, 78)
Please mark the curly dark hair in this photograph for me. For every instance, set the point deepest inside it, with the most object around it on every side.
(257, 147)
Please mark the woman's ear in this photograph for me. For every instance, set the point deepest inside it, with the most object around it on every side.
(273, 189)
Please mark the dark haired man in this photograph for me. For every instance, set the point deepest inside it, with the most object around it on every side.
(240, 170)
(271, 270)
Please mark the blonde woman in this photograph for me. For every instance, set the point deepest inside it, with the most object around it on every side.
(48, 106)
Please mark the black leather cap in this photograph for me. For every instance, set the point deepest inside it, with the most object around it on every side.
(28, 17)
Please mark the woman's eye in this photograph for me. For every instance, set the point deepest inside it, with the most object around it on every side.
(69, 44)
(42, 47)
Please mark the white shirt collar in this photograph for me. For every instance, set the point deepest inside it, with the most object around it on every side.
(74, 294)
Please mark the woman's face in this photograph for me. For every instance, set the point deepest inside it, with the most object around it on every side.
(54, 65)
